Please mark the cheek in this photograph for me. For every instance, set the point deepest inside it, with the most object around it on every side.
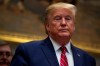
(10, 58)
(55, 26)
(72, 27)
(52, 27)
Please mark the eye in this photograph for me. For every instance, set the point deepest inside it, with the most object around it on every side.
(57, 18)
(68, 17)
(1, 53)
(8, 54)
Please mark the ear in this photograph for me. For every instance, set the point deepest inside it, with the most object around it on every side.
(74, 28)
(47, 26)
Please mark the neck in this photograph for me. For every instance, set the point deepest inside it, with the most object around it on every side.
(61, 40)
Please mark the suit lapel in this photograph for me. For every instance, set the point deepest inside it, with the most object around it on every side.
(49, 52)
(76, 56)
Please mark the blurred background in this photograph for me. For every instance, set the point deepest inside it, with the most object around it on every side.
(21, 21)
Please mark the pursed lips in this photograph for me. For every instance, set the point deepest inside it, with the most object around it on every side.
(63, 30)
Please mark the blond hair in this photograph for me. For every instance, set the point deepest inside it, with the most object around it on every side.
(71, 7)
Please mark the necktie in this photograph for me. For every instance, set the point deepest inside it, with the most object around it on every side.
(63, 59)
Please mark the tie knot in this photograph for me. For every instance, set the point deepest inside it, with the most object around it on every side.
(63, 48)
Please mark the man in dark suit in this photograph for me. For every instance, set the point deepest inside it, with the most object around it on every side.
(56, 49)
(5, 53)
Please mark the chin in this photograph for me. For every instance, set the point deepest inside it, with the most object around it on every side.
(65, 35)
(4, 65)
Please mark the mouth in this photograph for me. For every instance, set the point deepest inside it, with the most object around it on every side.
(4, 63)
(64, 30)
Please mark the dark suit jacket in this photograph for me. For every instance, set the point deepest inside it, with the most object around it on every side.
(41, 53)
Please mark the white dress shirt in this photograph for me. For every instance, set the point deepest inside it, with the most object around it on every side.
(69, 54)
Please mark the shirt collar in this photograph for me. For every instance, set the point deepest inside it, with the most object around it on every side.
(57, 46)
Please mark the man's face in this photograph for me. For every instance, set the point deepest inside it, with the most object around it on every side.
(60, 23)
(5, 55)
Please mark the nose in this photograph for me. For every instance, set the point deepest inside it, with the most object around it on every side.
(63, 22)
(4, 57)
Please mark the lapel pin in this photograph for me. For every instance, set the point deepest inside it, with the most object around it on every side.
(78, 55)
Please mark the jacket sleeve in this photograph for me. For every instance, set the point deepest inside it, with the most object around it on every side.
(89, 60)
(93, 62)
(19, 59)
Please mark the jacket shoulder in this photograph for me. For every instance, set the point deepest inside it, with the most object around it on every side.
(86, 56)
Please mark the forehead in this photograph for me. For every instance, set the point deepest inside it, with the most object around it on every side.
(60, 11)
(5, 48)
